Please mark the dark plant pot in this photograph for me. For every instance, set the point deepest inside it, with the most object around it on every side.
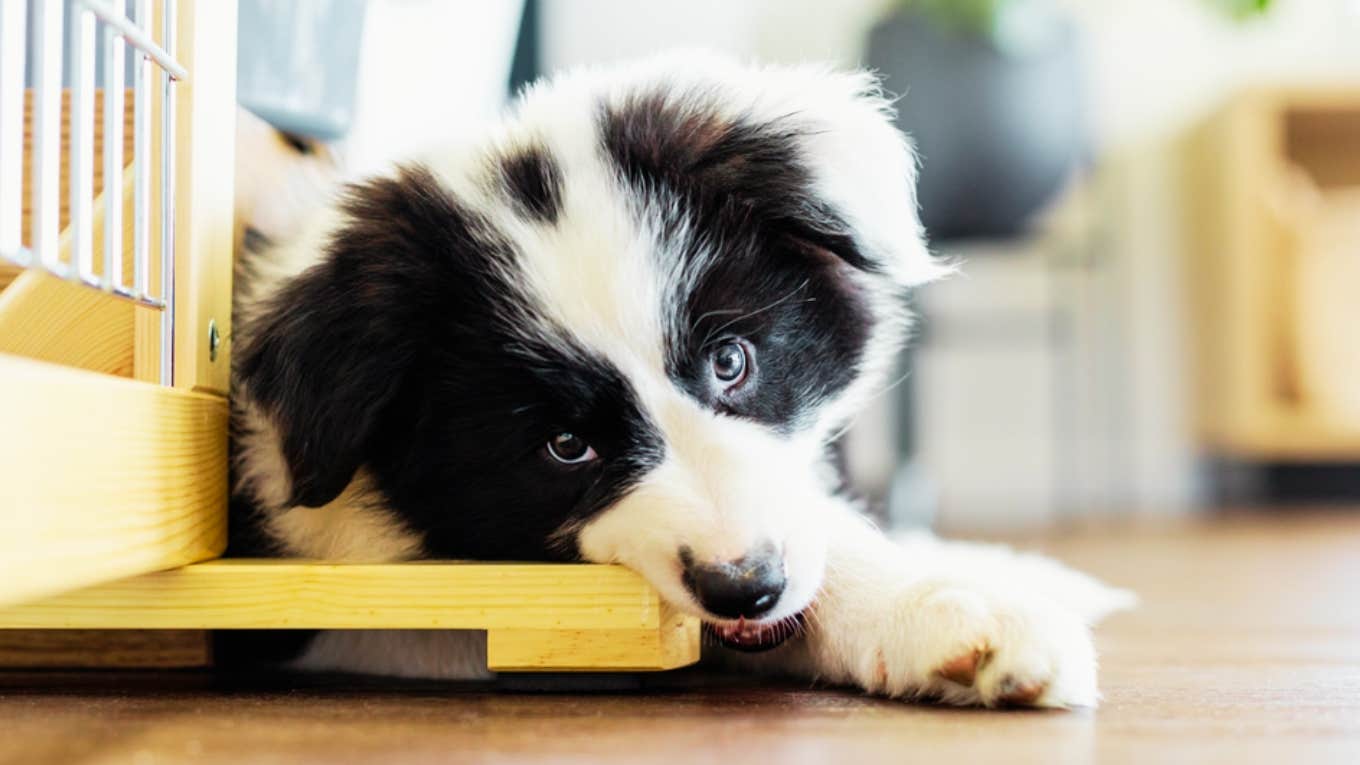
(998, 132)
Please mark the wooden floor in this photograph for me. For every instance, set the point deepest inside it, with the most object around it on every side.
(1247, 649)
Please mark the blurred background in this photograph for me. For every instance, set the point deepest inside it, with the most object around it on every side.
(1157, 204)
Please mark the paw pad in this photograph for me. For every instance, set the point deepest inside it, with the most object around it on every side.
(963, 669)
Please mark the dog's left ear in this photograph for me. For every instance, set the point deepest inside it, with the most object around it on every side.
(328, 353)
(810, 148)
(861, 164)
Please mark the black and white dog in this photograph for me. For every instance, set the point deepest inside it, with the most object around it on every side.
(624, 327)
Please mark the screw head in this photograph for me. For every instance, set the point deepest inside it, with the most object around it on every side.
(214, 339)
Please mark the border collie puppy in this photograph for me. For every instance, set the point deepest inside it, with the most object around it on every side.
(623, 327)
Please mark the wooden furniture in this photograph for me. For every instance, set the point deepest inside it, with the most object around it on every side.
(113, 488)
(1270, 180)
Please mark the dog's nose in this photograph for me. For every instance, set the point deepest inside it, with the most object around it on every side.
(749, 586)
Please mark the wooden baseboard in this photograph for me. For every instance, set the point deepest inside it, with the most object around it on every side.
(537, 616)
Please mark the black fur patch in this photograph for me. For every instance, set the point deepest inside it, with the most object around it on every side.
(534, 183)
(772, 260)
(406, 352)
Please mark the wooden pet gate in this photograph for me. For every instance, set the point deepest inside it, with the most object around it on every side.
(117, 130)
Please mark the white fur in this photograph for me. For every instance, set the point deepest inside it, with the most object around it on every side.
(893, 613)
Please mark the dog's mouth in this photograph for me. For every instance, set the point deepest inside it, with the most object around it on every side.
(754, 637)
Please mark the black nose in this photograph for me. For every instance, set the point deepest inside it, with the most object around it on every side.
(748, 586)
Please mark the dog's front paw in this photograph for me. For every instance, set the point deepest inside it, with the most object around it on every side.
(963, 646)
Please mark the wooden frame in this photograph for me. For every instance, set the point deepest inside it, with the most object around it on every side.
(537, 616)
(112, 484)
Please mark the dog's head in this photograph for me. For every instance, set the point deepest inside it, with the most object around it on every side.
(623, 329)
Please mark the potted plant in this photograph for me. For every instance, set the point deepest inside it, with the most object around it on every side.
(993, 99)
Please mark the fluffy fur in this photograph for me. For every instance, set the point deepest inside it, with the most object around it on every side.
(406, 357)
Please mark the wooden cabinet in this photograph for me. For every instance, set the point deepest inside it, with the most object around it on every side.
(1272, 219)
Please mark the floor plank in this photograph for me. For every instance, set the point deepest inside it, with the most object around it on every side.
(1247, 649)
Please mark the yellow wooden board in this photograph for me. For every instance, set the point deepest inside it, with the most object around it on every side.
(538, 616)
(103, 478)
(205, 168)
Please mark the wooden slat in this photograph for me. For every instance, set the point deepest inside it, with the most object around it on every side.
(292, 594)
(205, 166)
(674, 644)
(104, 478)
(537, 616)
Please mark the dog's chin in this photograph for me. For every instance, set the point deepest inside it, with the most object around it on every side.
(754, 636)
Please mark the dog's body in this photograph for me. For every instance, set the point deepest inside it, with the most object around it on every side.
(624, 327)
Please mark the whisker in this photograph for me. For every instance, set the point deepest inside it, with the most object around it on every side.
(708, 337)
(885, 389)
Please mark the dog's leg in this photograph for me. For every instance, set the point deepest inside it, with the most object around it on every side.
(964, 624)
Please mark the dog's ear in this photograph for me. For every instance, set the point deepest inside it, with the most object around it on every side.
(810, 148)
(325, 356)
(862, 166)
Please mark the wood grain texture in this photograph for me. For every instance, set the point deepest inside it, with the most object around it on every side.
(279, 593)
(104, 478)
(674, 643)
(104, 649)
(49, 319)
(1246, 650)
(205, 167)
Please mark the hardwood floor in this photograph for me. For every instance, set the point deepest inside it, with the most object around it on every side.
(1246, 649)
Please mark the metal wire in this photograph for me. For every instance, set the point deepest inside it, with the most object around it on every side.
(108, 22)
(168, 204)
(13, 28)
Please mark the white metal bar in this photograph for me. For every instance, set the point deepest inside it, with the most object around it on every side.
(82, 148)
(46, 205)
(13, 36)
(141, 159)
(136, 37)
(168, 204)
(114, 83)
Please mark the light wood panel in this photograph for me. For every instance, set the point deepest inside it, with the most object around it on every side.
(675, 643)
(205, 162)
(538, 616)
(104, 478)
(236, 593)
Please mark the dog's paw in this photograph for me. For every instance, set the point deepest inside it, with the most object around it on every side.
(962, 646)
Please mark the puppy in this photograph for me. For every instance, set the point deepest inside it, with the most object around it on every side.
(623, 327)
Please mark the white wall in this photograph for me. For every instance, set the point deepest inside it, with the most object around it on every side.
(428, 69)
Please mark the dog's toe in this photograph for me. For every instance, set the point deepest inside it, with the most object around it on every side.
(1021, 693)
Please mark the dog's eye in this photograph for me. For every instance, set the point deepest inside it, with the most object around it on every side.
(570, 449)
(731, 363)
